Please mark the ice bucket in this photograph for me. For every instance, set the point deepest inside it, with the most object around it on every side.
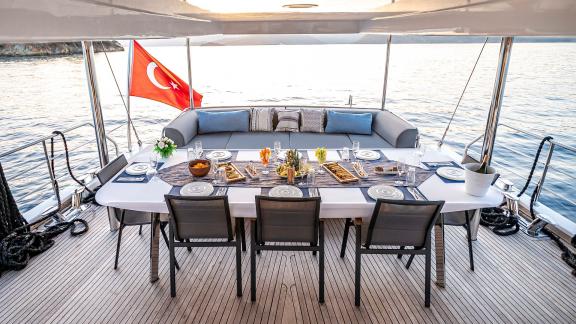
(477, 184)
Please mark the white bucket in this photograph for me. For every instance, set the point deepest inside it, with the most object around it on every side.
(477, 184)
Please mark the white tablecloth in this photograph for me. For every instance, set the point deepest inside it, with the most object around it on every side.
(336, 202)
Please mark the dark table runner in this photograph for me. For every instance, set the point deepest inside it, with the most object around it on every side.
(179, 175)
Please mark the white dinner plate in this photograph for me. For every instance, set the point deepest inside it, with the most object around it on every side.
(137, 169)
(451, 173)
(197, 189)
(367, 155)
(286, 192)
(219, 155)
(282, 155)
(385, 192)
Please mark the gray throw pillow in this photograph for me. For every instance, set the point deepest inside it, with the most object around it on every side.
(261, 119)
(312, 120)
(288, 121)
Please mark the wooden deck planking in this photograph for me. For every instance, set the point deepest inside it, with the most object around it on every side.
(517, 280)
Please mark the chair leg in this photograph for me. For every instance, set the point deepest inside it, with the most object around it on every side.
(410, 261)
(253, 261)
(238, 263)
(163, 231)
(427, 277)
(140, 230)
(189, 248)
(399, 254)
(118, 246)
(172, 264)
(321, 265)
(358, 262)
(312, 244)
(347, 225)
(242, 233)
(469, 236)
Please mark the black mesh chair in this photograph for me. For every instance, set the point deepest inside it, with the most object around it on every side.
(124, 216)
(397, 223)
(202, 222)
(287, 220)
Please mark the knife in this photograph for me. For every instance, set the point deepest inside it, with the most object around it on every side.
(130, 179)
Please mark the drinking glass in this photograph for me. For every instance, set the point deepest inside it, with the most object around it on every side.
(311, 178)
(345, 154)
(355, 147)
(220, 177)
(198, 147)
(277, 149)
(213, 167)
(191, 154)
(303, 163)
(411, 176)
(401, 167)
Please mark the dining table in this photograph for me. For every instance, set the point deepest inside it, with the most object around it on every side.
(337, 201)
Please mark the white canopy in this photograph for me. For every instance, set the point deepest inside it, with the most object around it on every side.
(51, 20)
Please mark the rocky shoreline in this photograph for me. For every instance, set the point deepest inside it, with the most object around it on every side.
(49, 49)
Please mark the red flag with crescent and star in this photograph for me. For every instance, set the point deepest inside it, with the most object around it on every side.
(152, 80)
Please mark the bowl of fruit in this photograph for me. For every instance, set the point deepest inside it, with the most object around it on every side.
(199, 168)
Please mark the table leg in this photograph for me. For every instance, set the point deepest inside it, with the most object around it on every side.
(475, 224)
(154, 246)
(440, 254)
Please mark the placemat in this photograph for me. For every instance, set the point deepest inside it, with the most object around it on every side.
(407, 194)
(433, 166)
(129, 178)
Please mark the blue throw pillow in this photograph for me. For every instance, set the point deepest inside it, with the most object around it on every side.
(349, 123)
(223, 121)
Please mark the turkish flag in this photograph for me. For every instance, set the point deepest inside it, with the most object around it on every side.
(152, 80)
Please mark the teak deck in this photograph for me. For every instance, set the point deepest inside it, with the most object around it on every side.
(517, 280)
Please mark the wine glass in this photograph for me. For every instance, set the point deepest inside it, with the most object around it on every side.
(321, 160)
(153, 162)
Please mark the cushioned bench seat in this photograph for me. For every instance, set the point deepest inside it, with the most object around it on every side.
(388, 130)
(314, 140)
(257, 140)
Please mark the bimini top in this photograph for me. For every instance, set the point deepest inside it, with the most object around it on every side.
(51, 20)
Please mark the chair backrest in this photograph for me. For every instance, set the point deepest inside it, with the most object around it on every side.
(287, 219)
(111, 169)
(402, 222)
(200, 217)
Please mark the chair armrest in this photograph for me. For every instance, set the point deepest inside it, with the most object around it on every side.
(395, 130)
(183, 129)
(358, 221)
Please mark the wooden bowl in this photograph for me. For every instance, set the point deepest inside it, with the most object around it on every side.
(199, 171)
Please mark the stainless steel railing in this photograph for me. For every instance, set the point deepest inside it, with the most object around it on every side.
(32, 163)
(545, 164)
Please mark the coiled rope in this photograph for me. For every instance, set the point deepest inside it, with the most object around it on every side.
(21, 244)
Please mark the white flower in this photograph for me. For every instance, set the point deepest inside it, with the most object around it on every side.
(161, 145)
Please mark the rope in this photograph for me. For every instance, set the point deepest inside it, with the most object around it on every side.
(463, 91)
(535, 163)
(21, 244)
(121, 97)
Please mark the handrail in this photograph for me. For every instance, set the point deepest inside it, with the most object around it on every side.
(45, 138)
(53, 177)
(555, 142)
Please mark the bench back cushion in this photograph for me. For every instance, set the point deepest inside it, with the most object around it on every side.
(223, 121)
(349, 123)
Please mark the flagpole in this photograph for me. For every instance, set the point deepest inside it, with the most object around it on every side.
(128, 120)
(191, 91)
